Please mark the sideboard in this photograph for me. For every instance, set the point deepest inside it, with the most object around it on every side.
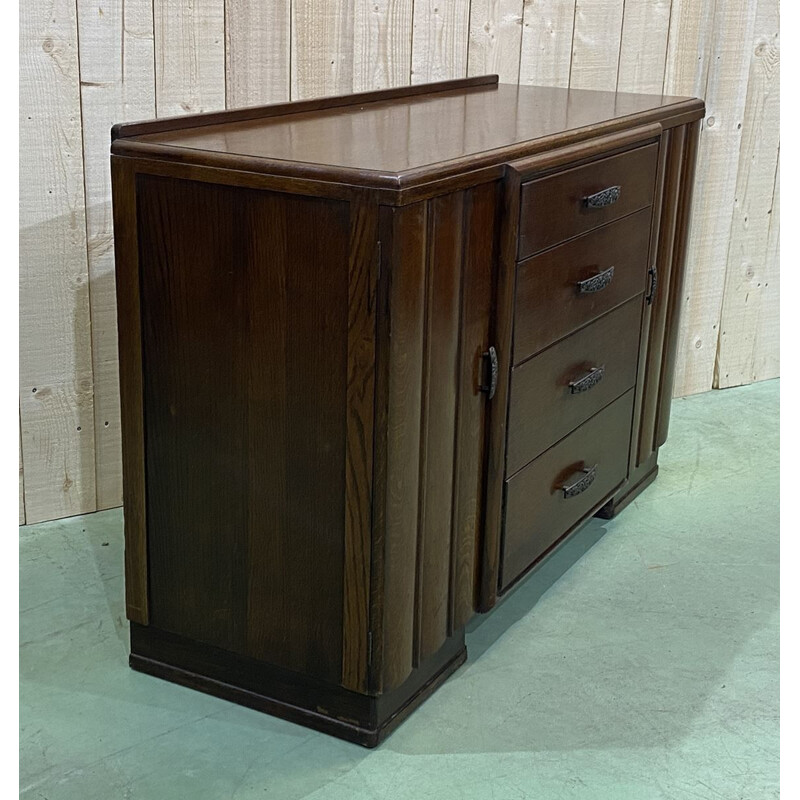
(379, 355)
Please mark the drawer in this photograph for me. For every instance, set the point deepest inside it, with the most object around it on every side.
(548, 399)
(560, 206)
(555, 292)
(540, 510)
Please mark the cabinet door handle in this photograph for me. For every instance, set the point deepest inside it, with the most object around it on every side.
(596, 283)
(494, 370)
(588, 381)
(605, 197)
(652, 273)
(581, 484)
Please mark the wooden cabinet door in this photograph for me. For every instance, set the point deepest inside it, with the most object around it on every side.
(437, 290)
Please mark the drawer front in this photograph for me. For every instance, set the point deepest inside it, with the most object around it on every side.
(567, 204)
(538, 513)
(564, 288)
(562, 387)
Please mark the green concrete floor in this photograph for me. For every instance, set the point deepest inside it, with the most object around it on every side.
(639, 661)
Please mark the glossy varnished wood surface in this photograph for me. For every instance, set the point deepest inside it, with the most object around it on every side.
(430, 468)
(548, 305)
(552, 208)
(542, 410)
(131, 388)
(404, 141)
(245, 333)
(537, 514)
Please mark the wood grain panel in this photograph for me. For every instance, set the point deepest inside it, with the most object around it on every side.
(540, 387)
(55, 380)
(548, 305)
(117, 84)
(403, 362)
(495, 38)
(680, 258)
(381, 43)
(440, 40)
(362, 299)
(725, 93)
(437, 456)
(21, 475)
(190, 56)
(546, 53)
(749, 320)
(322, 48)
(553, 209)
(538, 514)
(126, 248)
(664, 260)
(596, 44)
(257, 52)
(643, 46)
(231, 347)
(480, 224)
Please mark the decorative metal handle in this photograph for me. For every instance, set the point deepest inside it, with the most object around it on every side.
(603, 198)
(494, 370)
(592, 378)
(596, 282)
(653, 274)
(580, 485)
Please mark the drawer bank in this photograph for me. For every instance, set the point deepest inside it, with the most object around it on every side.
(379, 354)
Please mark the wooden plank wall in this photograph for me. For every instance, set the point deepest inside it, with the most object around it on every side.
(87, 63)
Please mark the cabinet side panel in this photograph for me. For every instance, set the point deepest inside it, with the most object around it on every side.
(658, 310)
(440, 387)
(689, 163)
(476, 298)
(131, 389)
(404, 352)
(244, 305)
(363, 271)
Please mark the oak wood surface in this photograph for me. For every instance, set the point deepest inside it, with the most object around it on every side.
(553, 209)
(246, 509)
(542, 409)
(537, 513)
(548, 305)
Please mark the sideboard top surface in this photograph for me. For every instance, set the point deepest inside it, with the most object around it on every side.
(401, 139)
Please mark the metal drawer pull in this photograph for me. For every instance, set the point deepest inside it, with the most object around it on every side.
(591, 379)
(596, 282)
(603, 198)
(490, 389)
(580, 485)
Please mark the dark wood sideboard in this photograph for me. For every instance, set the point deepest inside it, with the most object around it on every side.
(379, 354)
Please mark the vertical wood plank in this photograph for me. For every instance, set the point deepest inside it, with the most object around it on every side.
(21, 476)
(363, 268)
(190, 56)
(381, 44)
(643, 47)
(401, 450)
(56, 402)
(322, 48)
(766, 362)
(546, 55)
(750, 309)
(495, 38)
(439, 423)
(257, 50)
(440, 40)
(117, 84)
(595, 44)
(476, 300)
(126, 249)
(725, 93)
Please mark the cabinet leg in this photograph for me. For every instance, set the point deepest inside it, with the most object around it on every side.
(630, 492)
